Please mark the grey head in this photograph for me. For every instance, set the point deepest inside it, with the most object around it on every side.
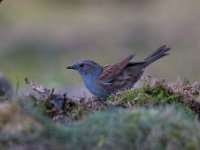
(88, 69)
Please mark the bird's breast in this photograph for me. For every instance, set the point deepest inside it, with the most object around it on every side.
(95, 88)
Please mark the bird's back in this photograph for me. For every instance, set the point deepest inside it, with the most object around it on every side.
(123, 74)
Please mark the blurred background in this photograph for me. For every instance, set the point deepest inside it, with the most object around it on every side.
(38, 38)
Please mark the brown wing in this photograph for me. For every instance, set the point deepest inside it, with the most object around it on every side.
(109, 72)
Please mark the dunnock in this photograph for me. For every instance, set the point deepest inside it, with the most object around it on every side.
(104, 81)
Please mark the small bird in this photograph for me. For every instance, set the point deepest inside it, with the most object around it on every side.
(110, 79)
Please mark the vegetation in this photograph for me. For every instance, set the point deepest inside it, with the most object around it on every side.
(156, 115)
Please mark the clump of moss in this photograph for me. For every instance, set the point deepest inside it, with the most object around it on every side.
(141, 128)
(16, 127)
(58, 107)
(153, 92)
(153, 128)
(157, 92)
(157, 115)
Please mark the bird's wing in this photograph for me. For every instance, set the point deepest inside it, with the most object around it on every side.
(110, 72)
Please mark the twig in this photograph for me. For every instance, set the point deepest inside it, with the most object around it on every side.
(130, 105)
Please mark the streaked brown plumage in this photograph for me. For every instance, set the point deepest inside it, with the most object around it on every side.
(122, 75)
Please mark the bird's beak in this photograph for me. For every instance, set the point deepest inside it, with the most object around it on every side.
(71, 67)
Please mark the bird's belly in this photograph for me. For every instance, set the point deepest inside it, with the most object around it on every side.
(96, 90)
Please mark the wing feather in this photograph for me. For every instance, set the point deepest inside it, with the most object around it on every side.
(109, 72)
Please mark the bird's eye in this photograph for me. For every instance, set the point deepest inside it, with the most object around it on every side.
(81, 65)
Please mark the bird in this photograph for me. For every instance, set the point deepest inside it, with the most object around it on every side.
(103, 81)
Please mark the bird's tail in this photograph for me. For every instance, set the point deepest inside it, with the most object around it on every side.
(157, 54)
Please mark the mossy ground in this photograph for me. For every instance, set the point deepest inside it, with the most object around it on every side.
(156, 115)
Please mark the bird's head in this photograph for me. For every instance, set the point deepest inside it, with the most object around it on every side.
(86, 68)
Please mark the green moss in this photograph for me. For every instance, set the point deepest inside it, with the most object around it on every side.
(129, 95)
(161, 95)
(141, 128)
(153, 117)
(146, 96)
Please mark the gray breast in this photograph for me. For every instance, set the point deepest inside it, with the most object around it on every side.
(95, 89)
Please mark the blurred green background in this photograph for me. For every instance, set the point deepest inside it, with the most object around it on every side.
(38, 38)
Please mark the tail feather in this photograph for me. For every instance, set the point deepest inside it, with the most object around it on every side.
(157, 54)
